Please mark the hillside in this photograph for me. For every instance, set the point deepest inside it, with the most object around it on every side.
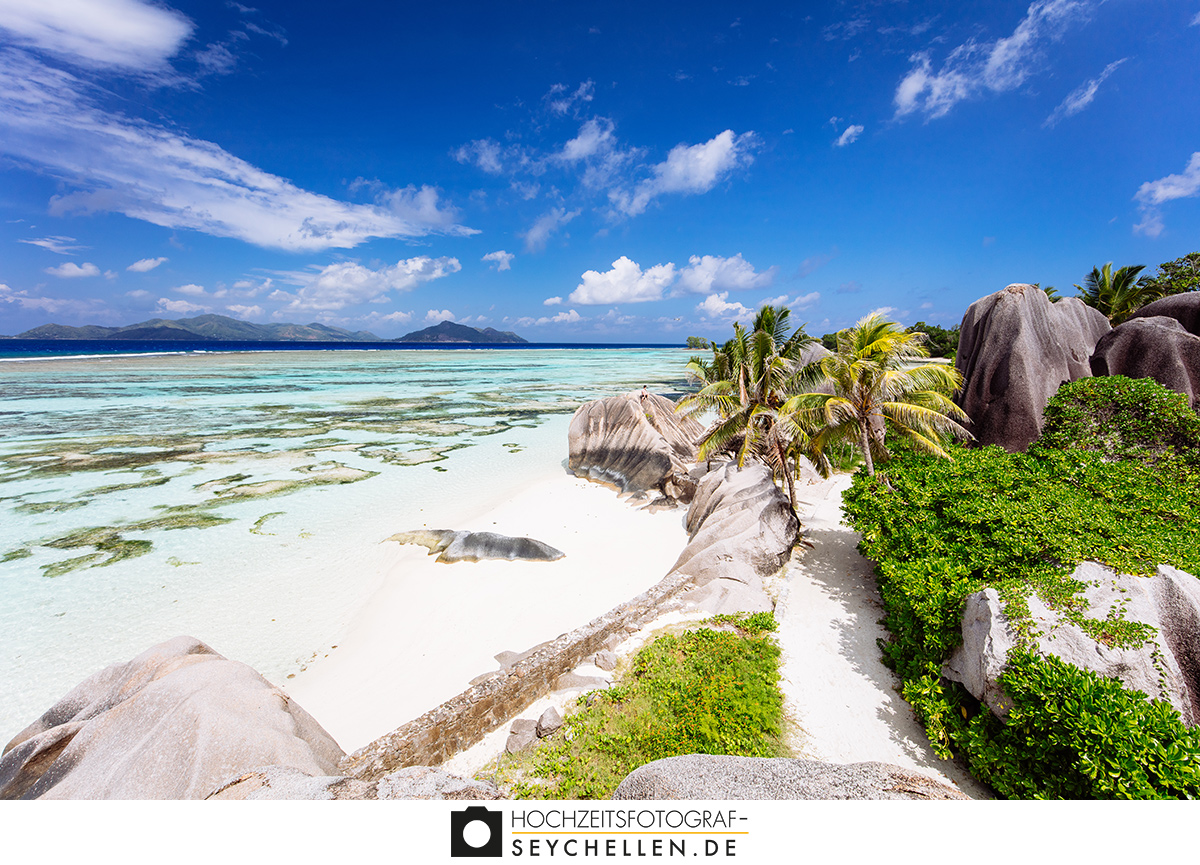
(448, 331)
(212, 327)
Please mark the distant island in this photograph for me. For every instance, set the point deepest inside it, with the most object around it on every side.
(222, 327)
(448, 331)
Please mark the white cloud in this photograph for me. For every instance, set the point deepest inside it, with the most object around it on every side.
(57, 243)
(774, 301)
(166, 305)
(1195, 21)
(540, 232)
(1154, 193)
(849, 136)
(715, 306)
(50, 305)
(552, 301)
(143, 265)
(624, 283)
(392, 317)
(190, 289)
(560, 101)
(245, 311)
(595, 136)
(1081, 97)
(484, 154)
(71, 270)
(152, 173)
(437, 316)
(138, 293)
(346, 283)
(127, 34)
(503, 259)
(710, 273)
(884, 311)
(804, 301)
(688, 170)
(973, 67)
(568, 317)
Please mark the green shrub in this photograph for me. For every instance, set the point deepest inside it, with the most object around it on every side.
(940, 530)
(701, 692)
(1122, 418)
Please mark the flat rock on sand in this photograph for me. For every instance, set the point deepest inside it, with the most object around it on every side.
(836, 688)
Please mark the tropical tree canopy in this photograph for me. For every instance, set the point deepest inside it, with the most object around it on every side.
(1178, 276)
(1117, 294)
(875, 376)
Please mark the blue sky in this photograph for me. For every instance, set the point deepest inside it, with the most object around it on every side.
(584, 172)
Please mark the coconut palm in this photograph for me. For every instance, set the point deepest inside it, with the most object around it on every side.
(873, 379)
(748, 380)
(1117, 294)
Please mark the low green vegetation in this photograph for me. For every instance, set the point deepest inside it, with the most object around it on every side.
(697, 342)
(699, 692)
(1112, 481)
(941, 341)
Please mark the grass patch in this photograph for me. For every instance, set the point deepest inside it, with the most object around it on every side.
(700, 692)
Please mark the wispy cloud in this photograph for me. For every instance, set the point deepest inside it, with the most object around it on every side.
(567, 317)
(975, 67)
(144, 265)
(502, 260)
(562, 99)
(849, 136)
(541, 231)
(688, 170)
(61, 245)
(1081, 97)
(1152, 194)
(148, 172)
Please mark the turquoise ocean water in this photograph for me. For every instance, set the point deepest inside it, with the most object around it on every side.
(242, 497)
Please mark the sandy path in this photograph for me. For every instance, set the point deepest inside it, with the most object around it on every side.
(836, 688)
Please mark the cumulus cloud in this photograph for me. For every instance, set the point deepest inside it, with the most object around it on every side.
(502, 259)
(568, 317)
(71, 270)
(595, 136)
(49, 305)
(688, 170)
(849, 136)
(711, 273)
(540, 232)
(975, 67)
(148, 172)
(715, 306)
(190, 289)
(142, 265)
(347, 283)
(242, 311)
(1081, 97)
(166, 305)
(624, 283)
(552, 301)
(56, 243)
(437, 316)
(1154, 193)
(126, 34)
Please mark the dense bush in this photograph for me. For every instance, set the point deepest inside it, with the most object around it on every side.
(700, 692)
(1122, 418)
(940, 530)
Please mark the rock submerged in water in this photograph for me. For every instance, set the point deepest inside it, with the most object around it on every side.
(173, 723)
(635, 441)
(461, 546)
(1167, 667)
(1015, 349)
(707, 776)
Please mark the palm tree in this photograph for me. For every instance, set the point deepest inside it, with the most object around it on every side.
(1117, 294)
(873, 379)
(748, 380)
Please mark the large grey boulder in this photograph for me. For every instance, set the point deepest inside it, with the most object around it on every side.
(707, 776)
(1167, 667)
(635, 441)
(1184, 308)
(741, 528)
(1156, 347)
(463, 546)
(173, 723)
(1014, 350)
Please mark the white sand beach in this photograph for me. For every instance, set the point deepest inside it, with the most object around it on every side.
(432, 627)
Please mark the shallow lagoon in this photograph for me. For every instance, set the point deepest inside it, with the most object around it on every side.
(242, 497)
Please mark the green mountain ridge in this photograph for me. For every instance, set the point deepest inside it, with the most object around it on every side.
(210, 326)
(449, 331)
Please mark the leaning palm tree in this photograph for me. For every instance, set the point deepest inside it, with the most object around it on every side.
(873, 378)
(745, 384)
(1117, 294)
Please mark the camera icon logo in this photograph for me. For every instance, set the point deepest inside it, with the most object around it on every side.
(475, 831)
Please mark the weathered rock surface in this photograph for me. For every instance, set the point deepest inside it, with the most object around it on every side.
(415, 782)
(741, 528)
(635, 441)
(521, 735)
(173, 723)
(1156, 347)
(1168, 667)
(1015, 349)
(462, 546)
(1184, 308)
(549, 723)
(705, 776)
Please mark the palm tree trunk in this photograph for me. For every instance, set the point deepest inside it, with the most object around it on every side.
(865, 444)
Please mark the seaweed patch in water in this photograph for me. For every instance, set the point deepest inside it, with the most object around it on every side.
(261, 521)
